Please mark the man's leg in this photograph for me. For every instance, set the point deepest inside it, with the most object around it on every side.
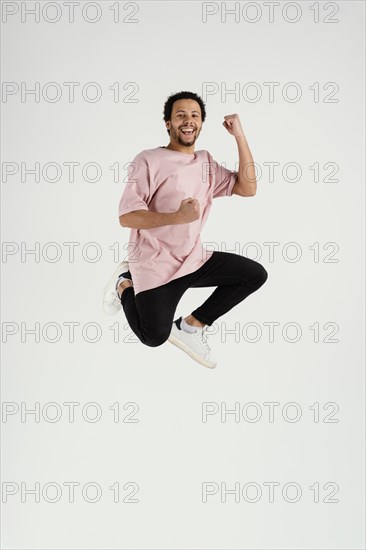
(150, 313)
(235, 276)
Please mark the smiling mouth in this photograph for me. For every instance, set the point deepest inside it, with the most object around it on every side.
(187, 132)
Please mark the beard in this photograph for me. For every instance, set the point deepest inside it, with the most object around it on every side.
(186, 141)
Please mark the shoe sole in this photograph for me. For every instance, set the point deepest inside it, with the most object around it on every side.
(111, 285)
(174, 340)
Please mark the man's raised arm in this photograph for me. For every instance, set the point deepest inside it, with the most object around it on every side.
(246, 184)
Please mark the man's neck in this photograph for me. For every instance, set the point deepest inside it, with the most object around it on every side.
(182, 149)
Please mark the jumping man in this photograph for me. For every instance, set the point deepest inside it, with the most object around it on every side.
(166, 203)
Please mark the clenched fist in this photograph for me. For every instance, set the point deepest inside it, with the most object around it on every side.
(233, 125)
(189, 210)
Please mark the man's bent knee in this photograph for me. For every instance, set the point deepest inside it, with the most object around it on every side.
(155, 338)
(262, 275)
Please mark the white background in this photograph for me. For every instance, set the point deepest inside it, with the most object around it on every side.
(170, 452)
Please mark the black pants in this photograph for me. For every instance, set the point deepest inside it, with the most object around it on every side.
(150, 313)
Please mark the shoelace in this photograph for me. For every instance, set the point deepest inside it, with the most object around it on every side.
(202, 336)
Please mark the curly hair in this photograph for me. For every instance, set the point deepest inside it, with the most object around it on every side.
(168, 106)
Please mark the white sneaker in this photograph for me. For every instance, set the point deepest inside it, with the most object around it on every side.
(193, 343)
(111, 300)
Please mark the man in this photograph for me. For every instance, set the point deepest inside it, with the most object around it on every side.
(165, 204)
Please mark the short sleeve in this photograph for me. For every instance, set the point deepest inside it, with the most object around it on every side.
(136, 193)
(223, 179)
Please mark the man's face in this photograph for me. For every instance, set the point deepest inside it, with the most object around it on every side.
(185, 123)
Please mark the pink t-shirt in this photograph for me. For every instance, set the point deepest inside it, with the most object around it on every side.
(158, 180)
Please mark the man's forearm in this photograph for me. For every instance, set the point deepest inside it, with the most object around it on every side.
(246, 174)
(144, 219)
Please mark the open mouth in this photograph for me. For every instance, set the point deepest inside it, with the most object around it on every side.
(187, 131)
